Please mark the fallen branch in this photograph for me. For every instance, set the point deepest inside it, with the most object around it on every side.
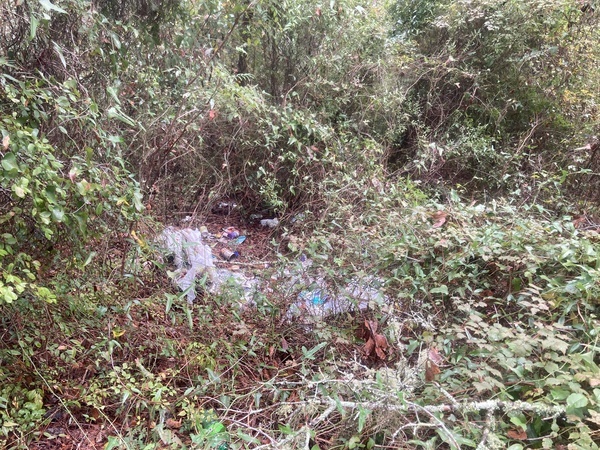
(492, 406)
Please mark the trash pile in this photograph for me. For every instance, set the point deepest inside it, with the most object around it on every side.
(192, 253)
(194, 259)
(316, 300)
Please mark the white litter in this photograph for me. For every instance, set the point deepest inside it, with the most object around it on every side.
(192, 257)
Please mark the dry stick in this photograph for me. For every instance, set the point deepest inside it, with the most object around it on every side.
(235, 263)
(486, 431)
(439, 422)
(491, 406)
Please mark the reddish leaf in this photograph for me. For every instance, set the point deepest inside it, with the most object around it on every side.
(284, 344)
(517, 433)
(431, 370)
(212, 114)
(381, 346)
(439, 219)
(432, 366)
(371, 325)
(376, 344)
(369, 347)
(172, 423)
(580, 221)
(434, 355)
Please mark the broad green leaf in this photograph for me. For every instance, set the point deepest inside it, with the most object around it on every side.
(9, 162)
(58, 214)
(8, 295)
(19, 191)
(50, 192)
(46, 294)
(577, 400)
(519, 421)
(33, 26)
(9, 238)
(443, 289)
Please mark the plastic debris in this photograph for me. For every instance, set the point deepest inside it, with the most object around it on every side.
(191, 257)
(271, 223)
(230, 233)
(315, 300)
(204, 232)
(239, 240)
(247, 288)
(298, 218)
(224, 208)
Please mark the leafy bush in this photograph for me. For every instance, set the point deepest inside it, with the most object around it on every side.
(494, 73)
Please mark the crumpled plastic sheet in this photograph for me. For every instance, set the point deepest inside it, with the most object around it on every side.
(192, 257)
(315, 300)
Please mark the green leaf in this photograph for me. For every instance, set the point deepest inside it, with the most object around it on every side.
(89, 259)
(58, 214)
(46, 294)
(50, 192)
(577, 400)
(9, 238)
(310, 354)
(19, 191)
(515, 447)
(33, 26)
(51, 6)
(114, 113)
(519, 421)
(443, 289)
(247, 437)
(9, 162)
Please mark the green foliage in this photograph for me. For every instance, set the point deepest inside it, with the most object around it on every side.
(50, 203)
(493, 74)
(351, 114)
(21, 411)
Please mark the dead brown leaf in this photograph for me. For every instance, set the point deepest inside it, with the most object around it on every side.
(377, 344)
(517, 433)
(432, 366)
(369, 347)
(172, 423)
(6, 142)
(431, 370)
(580, 221)
(439, 218)
(594, 382)
(284, 344)
(435, 356)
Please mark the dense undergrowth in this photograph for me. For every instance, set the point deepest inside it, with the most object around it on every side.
(441, 150)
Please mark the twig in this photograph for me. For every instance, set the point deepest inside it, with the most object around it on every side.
(235, 263)
(486, 431)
